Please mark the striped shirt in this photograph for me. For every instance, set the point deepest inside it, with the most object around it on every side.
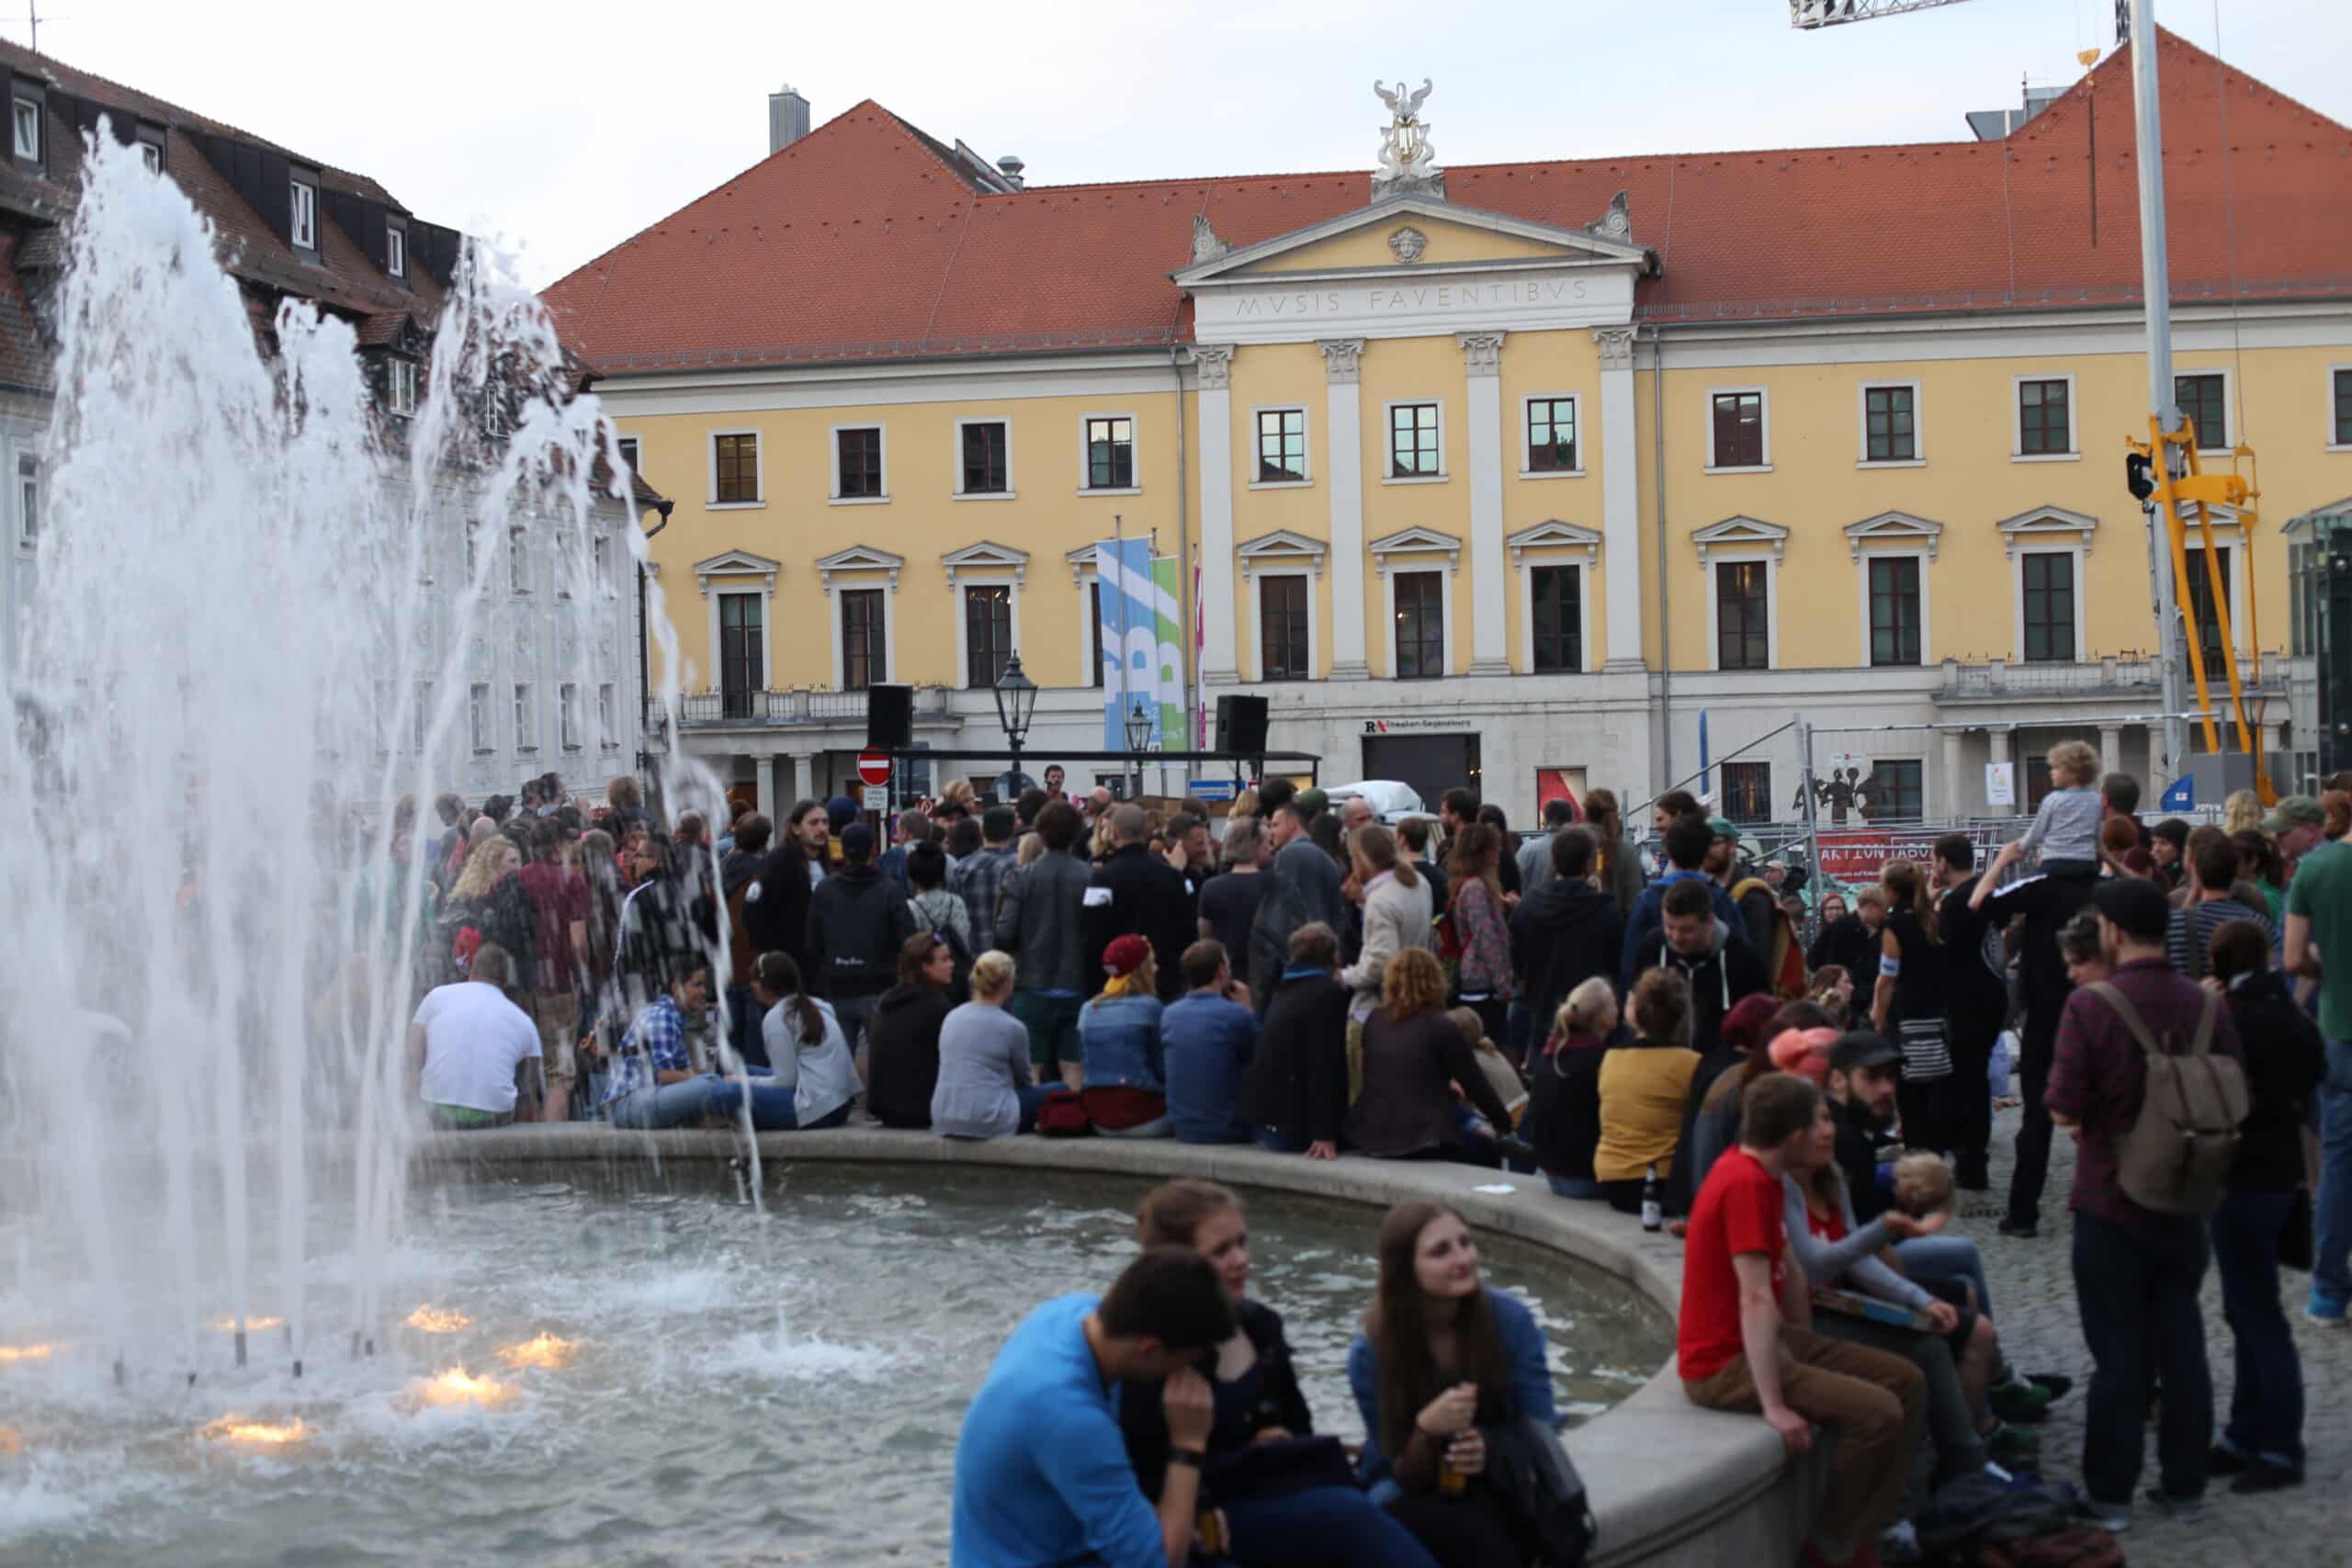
(2189, 938)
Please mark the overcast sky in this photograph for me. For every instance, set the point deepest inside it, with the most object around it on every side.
(565, 128)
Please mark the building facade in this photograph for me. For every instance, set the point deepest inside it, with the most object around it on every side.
(551, 672)
(1526, 475)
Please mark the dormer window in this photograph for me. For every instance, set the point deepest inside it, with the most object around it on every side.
(25, 122)
(303, 227)
(151, 148)
(396, 253)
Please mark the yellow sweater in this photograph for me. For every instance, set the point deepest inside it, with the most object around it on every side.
(1642, 1091)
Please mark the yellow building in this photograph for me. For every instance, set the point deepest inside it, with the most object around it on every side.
(1516, 474)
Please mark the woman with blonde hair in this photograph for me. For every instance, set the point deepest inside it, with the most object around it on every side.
(1413, 1057)
(1396, 908)
(985, 1089)
(487, 906)
(2240, 812)
(1644, 1086)
(1562, 1119)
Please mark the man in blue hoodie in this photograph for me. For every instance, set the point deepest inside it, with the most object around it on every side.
(1688, 839)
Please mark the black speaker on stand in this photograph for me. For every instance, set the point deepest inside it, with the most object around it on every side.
(890, 717)
(1241, 726)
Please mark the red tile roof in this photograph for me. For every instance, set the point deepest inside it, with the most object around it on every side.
(862, 240)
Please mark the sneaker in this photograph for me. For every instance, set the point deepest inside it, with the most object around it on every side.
(2058, 1383)
(2180, 1510)
(2018, 1403)
(2112, 1517)
(2013, 1448)
(1900, 1543)
(2020, 1230)
(2261, 1476)
(2324, 1309)
(2226, 1460)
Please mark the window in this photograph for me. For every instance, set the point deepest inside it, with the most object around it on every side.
(1550, 435)
(1737, 427)
(857, 457)
(1743, 639)
(1420, 625)
(2048, 606)
(151, 149)
(1282, 446)
(518, 562)
(27, 125)
(400, 386)
(1890, 424)
(1558, 604)
(2204, 399)
(1094, 624)
(600, 561)
(1109, 454)
(742, 664)
(1895, 791)
(1282, 627)
(567, 715)
(1894, 609)
(302, 225)
(988, 632)
(2340, 431)
(736, 461)
(478, 717)
(988, 458)
(527, 719)
(28, 499)
(608, 715)
(2203, 612)
(396, 253)
(2045, 419)
(864, 662)
(628, 443)
(1414, 450)
(1747, 791)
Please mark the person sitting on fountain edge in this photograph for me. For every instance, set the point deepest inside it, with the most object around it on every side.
(472, 1053)
(1042, 1474)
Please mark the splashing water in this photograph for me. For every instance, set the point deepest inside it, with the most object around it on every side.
(254, 628)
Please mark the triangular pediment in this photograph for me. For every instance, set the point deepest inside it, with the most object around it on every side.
(736, 563)
(2047, 524)
(1553, 533)
(986, 555)
(1414, 538)
(1410, 234)
(1281, 548)
(1894, 528)
(1741, 533)
(859, 558)
(2336, 514)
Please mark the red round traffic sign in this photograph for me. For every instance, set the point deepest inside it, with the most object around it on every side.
(874, 767)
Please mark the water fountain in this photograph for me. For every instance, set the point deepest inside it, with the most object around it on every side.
(220, 1278)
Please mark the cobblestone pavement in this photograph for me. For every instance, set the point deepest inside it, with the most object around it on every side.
(2033, 1292)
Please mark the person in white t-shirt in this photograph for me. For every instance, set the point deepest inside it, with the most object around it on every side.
(474, 1054)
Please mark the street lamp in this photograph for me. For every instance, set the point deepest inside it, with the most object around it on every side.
(1138, 727)
(1016, 702)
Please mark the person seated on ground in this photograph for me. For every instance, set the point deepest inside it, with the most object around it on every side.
(1645, 1083)
(902, 1042)
(469, 1053)
(1743, 1343)
(1263, 1434)
(1561, 1122)
(984, 1091)
(1208, 1035)
(1832, 990)
(1042, 1473)
(1509, 1087)
(1955, 1352)
(805, 1045)
(1295, 1092)
(1442, 1355)
(1118, 1040)
(1413, 1058)
(654, 1084)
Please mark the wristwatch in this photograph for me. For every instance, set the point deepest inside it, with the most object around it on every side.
(1193, 1457)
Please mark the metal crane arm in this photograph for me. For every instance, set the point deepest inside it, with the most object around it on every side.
(1809, 13)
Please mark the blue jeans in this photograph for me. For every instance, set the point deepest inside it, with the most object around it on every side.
(1929, 1258)
(2332, 1207)
(1575, 1186)
(743, 1019)
(2266, 1408)
(1280, 1143)
(688, 1101)
(1323, 1527)
(1032, 1096)
(2136, 1289)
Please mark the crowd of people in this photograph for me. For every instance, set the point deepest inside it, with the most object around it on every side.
(1655, 1037)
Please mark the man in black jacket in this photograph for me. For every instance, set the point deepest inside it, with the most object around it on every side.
(1715, 959)
(857, 922)
(1564, 931)
(1863, 1072)
(1136, 891)
(1851, 941)
(1295, 1092)
(1976, 1002)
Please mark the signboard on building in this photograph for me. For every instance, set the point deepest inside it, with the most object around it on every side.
(877, 797)
(2001, 783)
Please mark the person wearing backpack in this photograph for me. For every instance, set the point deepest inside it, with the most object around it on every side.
(2147, 1076)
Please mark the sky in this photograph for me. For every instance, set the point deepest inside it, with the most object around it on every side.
(563, 138)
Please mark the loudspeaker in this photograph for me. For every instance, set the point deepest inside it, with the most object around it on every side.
(1241, 725)
(891, 718)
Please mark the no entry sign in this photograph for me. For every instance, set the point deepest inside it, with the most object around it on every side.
(874, 767)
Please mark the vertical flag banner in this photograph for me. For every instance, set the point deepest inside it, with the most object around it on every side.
(1168, 734)
(1128, 635)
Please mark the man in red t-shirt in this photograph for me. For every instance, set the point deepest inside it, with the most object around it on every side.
(559, 895)
(1746, 1342)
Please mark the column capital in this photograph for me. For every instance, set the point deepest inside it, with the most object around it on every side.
(1482, 351)
(1616, 347)
(1215, 363)
(1339, 357)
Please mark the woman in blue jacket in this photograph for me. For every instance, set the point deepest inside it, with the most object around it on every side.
(1443, 1354)
(1118, 1035)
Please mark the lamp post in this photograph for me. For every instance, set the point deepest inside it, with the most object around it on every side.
(1016, 703)
(1138, 729)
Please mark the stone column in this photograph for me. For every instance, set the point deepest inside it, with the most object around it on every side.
(762, 788)
(1621, 504)
(1215, 363)
(1482, 354)
(1955, 781)
(2111, 748)
(1344, 441)
(804, 775)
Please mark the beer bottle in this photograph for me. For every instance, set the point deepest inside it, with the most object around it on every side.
(1653, 1203)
